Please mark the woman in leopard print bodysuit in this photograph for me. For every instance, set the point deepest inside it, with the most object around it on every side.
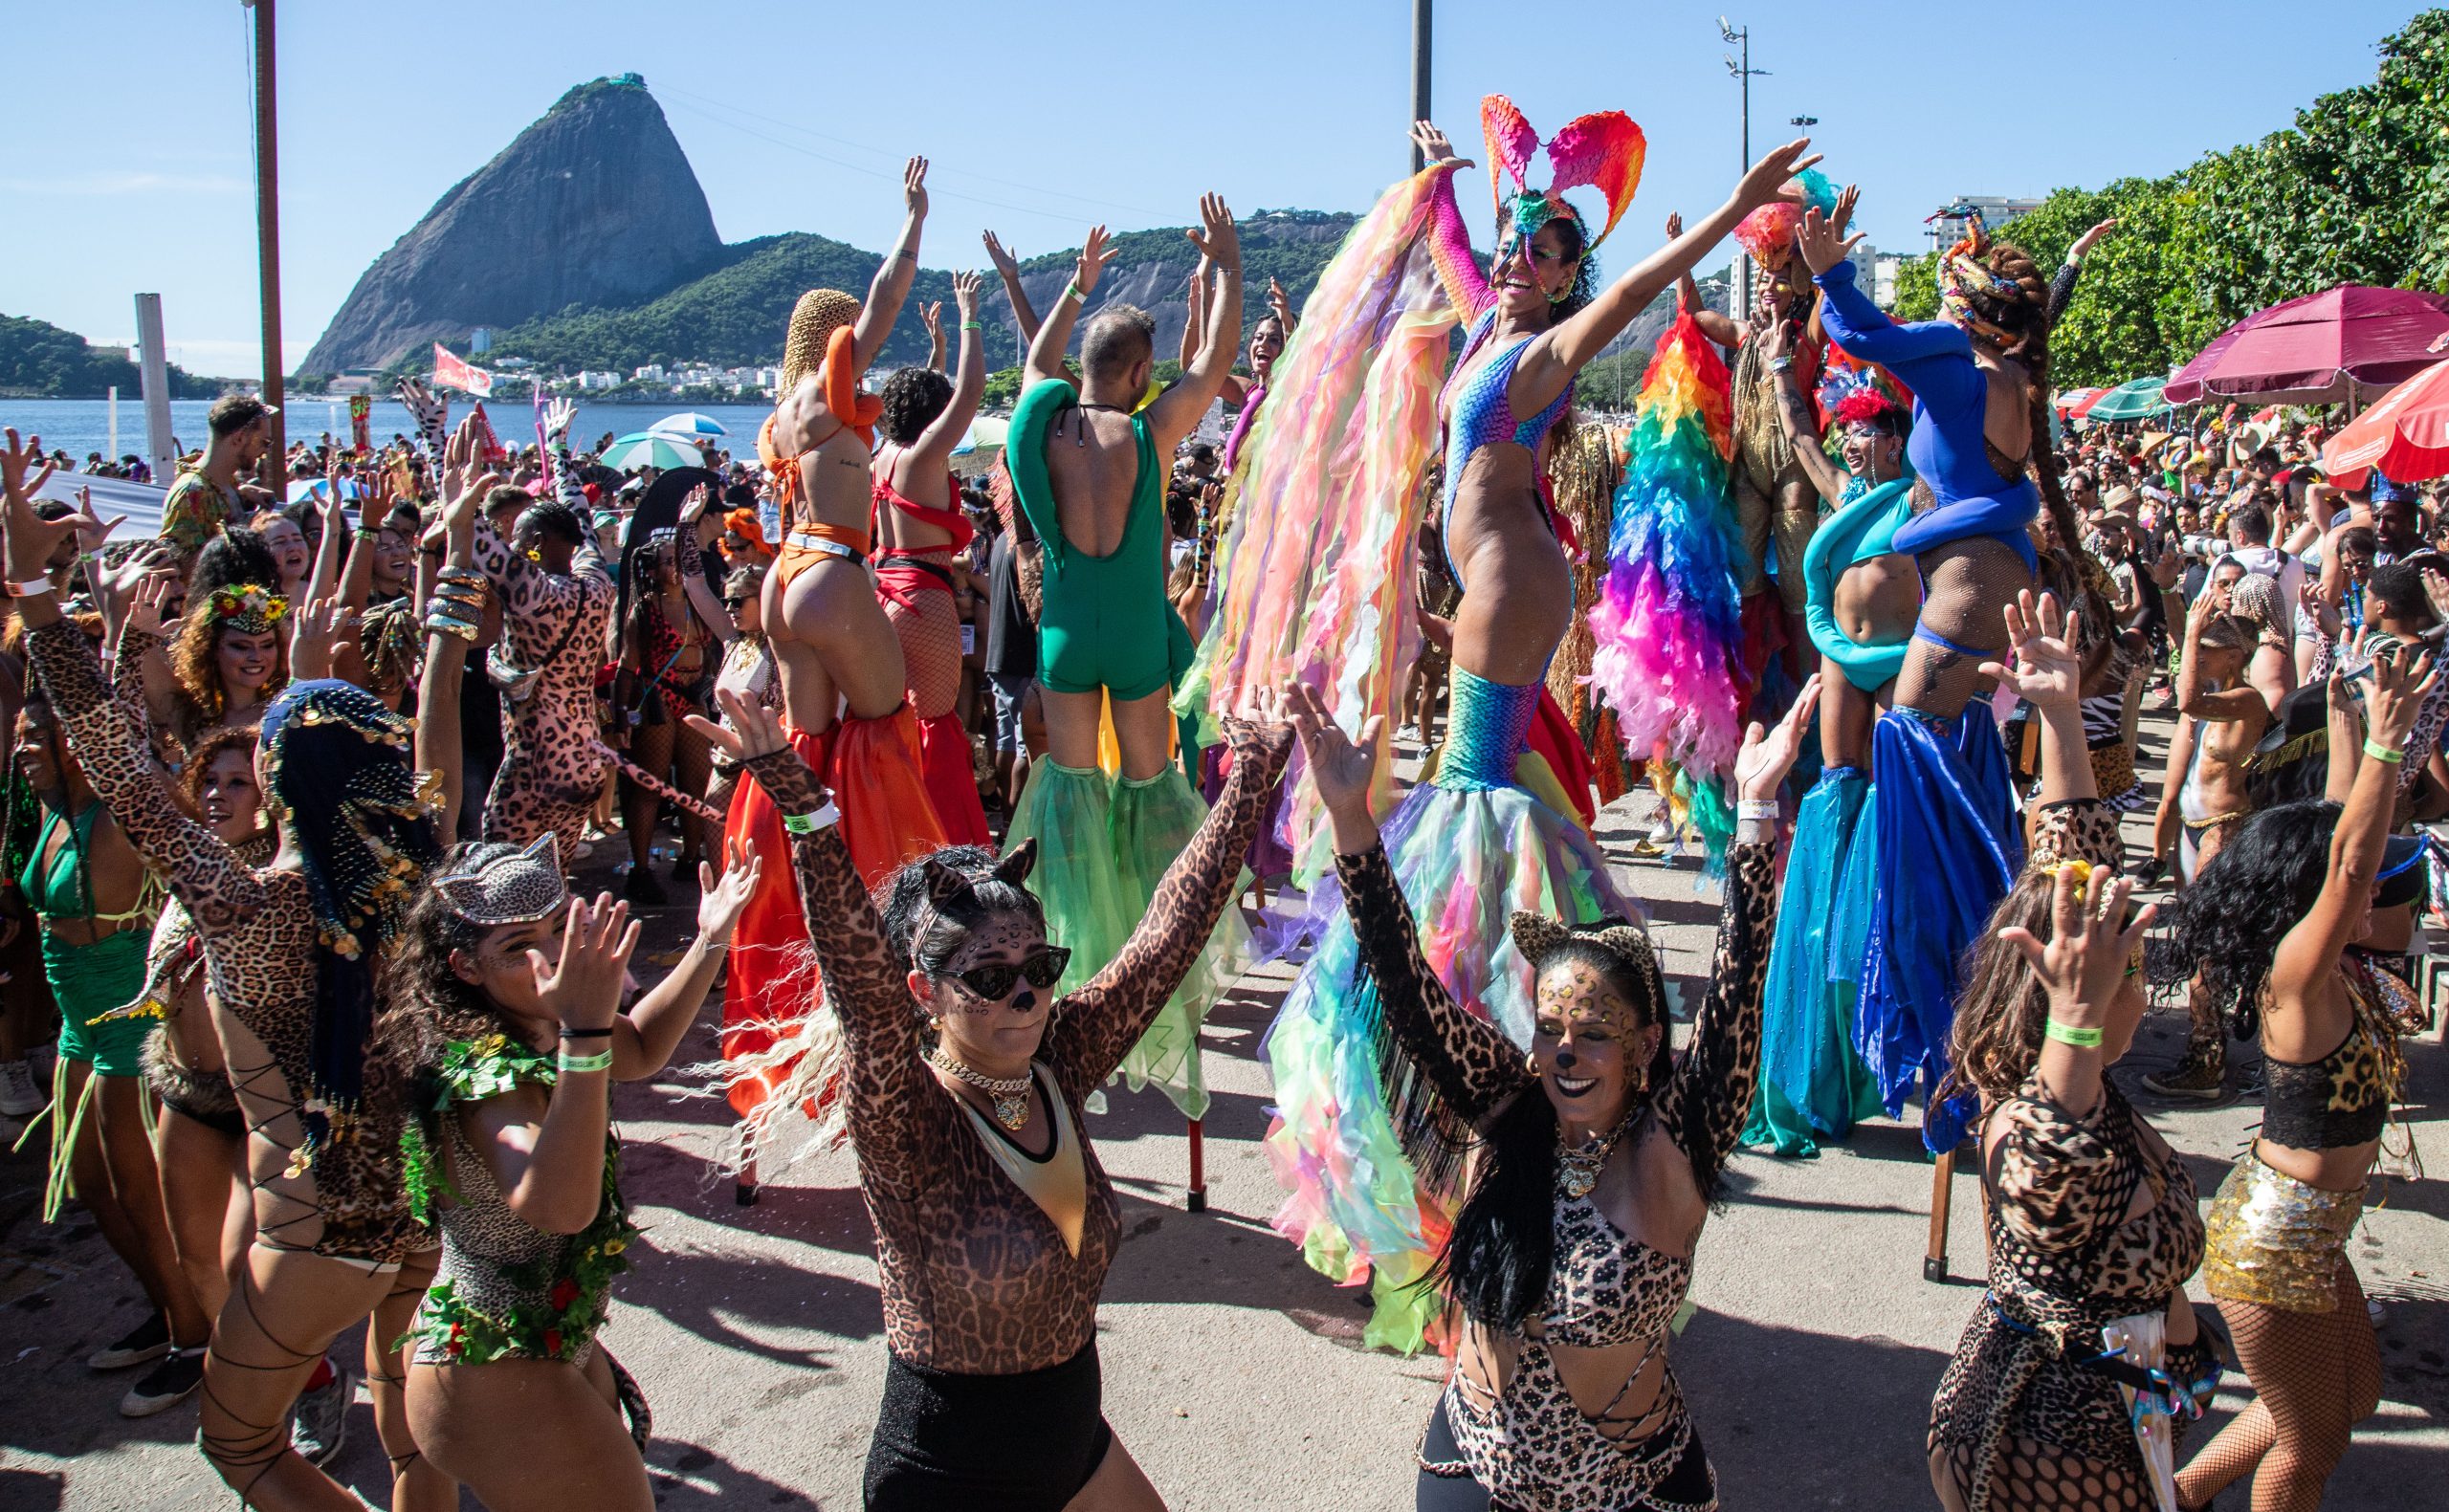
(2091, 1217)
(967, 1079)
(1592, 1162)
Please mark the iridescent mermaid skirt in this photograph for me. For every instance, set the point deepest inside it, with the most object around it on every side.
(1470, 846)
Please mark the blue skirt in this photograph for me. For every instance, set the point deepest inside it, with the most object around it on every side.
(1950, 846)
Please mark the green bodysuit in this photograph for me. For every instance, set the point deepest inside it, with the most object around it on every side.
(1105, 622)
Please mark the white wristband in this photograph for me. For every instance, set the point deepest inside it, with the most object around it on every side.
(824, 818)
(38, 588)
(1765, 808)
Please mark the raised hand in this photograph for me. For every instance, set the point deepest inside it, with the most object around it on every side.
(559, 415)
(420, 402)
(932, 317)
(1095, 255)
(1218, 239)
(1432, 144)
(318, 629)
(148, 611)
(16, 461)
(1005, 264)
(2085, 242)
(1823, 243)
(693, 508)
(582, 989)
(1674, 224)
(1281, 303)
(1769, 754)
(913, 187)
(966, 285)
(2047, 673)
(1340, 768)
(720, 900)
(2402, 677)
(90, 528)
(1766, 182)
(754, 730)
(2091, 943)
(1842, 215)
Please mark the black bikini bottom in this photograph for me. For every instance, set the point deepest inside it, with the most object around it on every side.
(1016, 1443)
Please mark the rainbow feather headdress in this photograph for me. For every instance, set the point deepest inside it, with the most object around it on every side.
(1603, 151)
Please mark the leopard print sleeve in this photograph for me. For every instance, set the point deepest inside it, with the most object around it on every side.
(127, 679)
(862, 990)
(1709, 1095)
(219, 890)
(2079, 829)
(1099, 1023)
(1469, 1063)
(536, 606)
(2058, 1182)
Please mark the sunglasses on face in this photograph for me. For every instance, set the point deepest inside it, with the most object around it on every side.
(735, 604)
(993, 983)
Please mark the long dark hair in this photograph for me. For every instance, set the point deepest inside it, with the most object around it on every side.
(1496, 1265)
(2246, 899)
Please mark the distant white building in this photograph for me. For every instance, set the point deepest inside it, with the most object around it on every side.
(480, 340)
(652, 373)
(589, 383)
(1883, 282)
(1996, 210)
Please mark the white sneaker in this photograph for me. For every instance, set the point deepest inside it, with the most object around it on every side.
(19, 1094)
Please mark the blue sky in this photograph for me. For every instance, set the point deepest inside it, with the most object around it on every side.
(129, 161)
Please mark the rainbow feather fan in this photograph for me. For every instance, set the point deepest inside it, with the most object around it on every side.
(1316, 571)
(1668, 624)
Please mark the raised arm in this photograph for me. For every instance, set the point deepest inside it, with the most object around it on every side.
(1178, 410)
(1007, 270)
(1552, 360)
(863, 989)
(1450, 241)
(934, 446)
(1933, 357)
(2402, 679)
(2062, 286)
(1099, 1024)
(1708, 1097)
(645, 1038)
(1795, 416)
(1720, 328)
(2195, 697)
(1053, 338)
(892, 283)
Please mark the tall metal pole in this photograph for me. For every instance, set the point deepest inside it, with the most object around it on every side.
(1420, 71)
(153, 371)
(268, 235)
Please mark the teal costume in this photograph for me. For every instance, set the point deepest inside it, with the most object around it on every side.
(1105, 843)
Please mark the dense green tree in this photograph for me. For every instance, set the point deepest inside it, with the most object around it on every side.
(40, 360)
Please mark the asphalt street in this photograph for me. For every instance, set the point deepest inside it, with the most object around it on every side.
(1234, 1373)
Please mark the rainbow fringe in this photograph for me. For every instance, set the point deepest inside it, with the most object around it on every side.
(1669, 619)
(1315, 572)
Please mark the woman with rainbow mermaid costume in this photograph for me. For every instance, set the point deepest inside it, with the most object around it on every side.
(1860, 603)
(1946, 810)
(1478, 841)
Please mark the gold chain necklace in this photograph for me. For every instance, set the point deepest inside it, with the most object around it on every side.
(1577, 1166)
(1011, 1097)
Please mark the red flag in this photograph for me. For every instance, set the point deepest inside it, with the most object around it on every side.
(450, 372)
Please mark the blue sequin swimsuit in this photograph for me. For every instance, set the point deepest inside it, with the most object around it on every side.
(1478, 412)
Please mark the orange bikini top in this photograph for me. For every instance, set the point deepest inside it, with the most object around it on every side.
(838, 381)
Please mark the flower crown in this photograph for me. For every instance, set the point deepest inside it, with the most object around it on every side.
(249, 608)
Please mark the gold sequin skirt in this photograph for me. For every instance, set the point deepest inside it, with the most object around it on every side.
(2276, 1240)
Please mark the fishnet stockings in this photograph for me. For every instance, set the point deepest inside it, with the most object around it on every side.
(2025, 1475)
(2315, 1376)
(930, 651)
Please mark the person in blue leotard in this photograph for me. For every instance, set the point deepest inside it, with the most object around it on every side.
(1945, 809)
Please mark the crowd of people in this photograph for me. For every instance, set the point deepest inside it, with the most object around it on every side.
(967, 778)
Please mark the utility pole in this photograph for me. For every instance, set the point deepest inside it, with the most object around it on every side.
(1744, 73)
(1420, 71)
(268, 235)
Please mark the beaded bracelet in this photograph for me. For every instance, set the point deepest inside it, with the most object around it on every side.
(2081, 1037)
(601, 1061)
(586, 1034)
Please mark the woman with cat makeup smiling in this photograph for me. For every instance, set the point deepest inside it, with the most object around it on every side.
(1591, 1162)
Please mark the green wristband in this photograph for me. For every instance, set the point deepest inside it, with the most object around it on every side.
(600, 1061)
(973, 326)
(2381, 752)
(2075, 1035)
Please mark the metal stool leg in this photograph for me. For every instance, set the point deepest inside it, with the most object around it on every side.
(743, 1190)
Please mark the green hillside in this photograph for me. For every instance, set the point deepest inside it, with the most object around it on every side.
(737, 315)
(40, 360)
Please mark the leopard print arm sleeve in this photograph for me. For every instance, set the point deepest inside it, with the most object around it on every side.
(1709, 1095)
(127, 680)
(862, 990)
(217, 889)
(2058, 1181)
(1104, 1019)
(2079, 829)
(1470, 1065)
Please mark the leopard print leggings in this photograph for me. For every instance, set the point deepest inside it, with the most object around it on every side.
(2315, 1376)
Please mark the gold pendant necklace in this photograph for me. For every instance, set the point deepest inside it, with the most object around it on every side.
(1011, 1097)
(1577, 1166)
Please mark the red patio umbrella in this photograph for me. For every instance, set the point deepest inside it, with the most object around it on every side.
(2325, 347)
(2406, 435)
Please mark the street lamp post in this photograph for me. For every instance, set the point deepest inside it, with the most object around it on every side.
(1744, 73)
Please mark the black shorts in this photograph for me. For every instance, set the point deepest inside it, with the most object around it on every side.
(1018, 1443)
